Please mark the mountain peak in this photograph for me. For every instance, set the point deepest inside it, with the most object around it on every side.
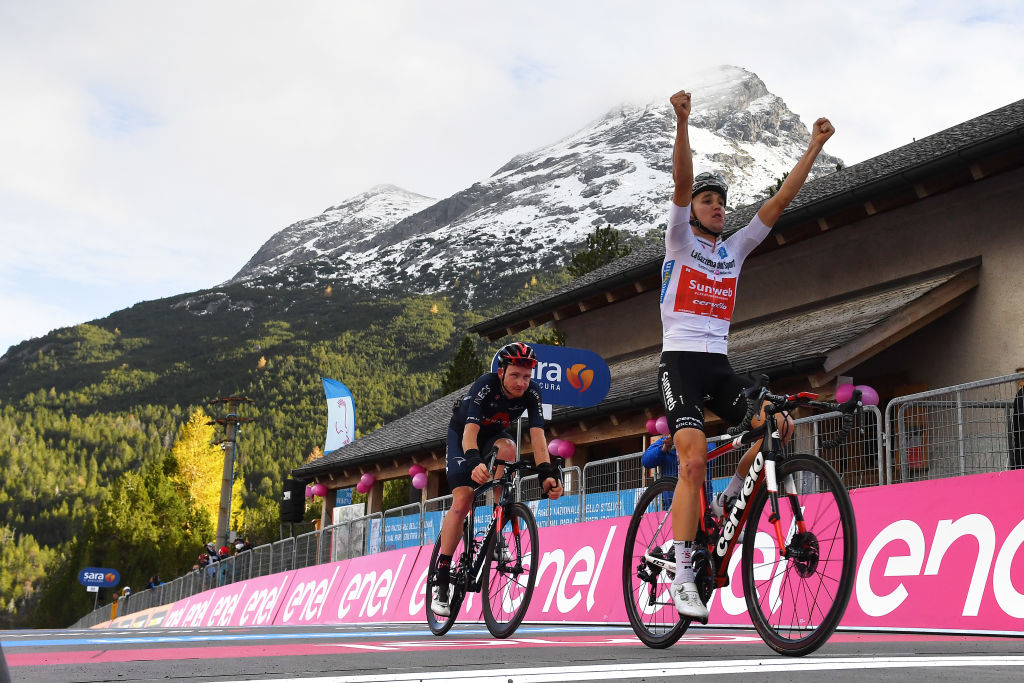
(614, 171)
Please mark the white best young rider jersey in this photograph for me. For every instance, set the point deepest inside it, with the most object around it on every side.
(698, 283)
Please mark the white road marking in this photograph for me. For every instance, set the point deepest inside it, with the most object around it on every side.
(605, 672)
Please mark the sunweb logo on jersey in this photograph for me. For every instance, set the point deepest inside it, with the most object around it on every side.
(580, 377)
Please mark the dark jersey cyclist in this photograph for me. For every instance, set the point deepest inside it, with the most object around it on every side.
(479, 423)
(699, 278)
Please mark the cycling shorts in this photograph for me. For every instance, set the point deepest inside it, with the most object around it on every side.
(691, 380)
(457, 469)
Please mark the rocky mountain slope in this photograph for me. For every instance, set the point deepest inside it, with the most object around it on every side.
(542, 204)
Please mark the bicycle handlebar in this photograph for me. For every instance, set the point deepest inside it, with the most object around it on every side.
(511, 467)
(758, 394)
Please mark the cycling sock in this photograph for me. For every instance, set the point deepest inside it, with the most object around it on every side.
(444, 565)
(684, 563)
(732, 490)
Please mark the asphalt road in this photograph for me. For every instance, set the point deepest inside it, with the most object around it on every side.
(408, 652)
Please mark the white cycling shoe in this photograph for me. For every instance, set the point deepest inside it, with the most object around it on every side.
(688, 602)
(439, 603)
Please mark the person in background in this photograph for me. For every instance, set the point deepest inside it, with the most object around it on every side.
(1017, 427)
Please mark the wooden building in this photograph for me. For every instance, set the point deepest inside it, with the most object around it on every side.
(903, 272)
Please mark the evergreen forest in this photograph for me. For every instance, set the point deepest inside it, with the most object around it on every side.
(106, 444)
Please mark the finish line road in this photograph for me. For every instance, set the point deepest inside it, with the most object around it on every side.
(408, 652)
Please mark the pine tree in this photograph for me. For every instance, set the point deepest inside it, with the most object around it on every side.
(464, 369)
(604, 245)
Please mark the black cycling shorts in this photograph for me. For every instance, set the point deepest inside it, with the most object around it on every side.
(456, 467)
(690, 380)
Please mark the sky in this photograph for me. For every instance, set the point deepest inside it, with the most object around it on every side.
(148, 148)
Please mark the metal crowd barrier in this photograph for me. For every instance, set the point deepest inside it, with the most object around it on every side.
(964, 429)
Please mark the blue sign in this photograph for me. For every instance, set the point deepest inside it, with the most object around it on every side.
(569, 377)
(98, 576)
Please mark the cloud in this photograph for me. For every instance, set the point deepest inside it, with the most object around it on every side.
(168, 141)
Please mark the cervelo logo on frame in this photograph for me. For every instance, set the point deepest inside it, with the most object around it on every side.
(568, 376)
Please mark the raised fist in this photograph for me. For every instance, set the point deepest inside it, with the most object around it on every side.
(822, 131)
(681, 104)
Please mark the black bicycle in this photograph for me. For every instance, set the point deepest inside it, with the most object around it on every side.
(798, 560)
(501, 565)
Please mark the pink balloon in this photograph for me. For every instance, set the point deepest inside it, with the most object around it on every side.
(567, 449)
(662, 425)
(869, 396)
(360, 487)
(309, 492)
(368, 479)
(416, 469)
(652, 426)
(318, 490)
(843, 392)
(555, 446)
(419, 480)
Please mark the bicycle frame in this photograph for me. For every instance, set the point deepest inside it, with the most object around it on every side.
(509, 482)
(762, 473)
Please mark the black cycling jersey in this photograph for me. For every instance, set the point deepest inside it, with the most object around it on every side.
(488, 406)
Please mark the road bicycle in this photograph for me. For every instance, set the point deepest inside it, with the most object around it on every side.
(797, 560)
(501, 565)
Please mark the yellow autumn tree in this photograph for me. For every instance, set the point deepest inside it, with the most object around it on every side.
(199, 463)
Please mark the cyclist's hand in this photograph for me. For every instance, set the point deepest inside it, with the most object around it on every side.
(681, 104)
(823, 130)
(480, 474)
(552, 487)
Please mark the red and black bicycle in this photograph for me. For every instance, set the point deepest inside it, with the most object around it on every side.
(794, 520)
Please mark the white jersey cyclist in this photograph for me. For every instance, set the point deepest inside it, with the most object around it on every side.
(698, 283)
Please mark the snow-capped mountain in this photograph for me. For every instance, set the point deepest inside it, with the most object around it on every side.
(615, 171)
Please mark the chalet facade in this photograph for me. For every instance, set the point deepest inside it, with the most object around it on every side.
(904, 272)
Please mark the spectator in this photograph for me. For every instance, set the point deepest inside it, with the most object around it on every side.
(243, 558)
(1017, 427)
(226, 568)
(661, 454)
(154, 581)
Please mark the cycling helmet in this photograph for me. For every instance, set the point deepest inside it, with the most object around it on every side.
(710, 181)
(517, 353)
(224, 550)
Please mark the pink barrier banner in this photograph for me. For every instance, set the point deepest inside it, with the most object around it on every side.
(939, 554)
(373, 587)
(246, 603)
(311, 589)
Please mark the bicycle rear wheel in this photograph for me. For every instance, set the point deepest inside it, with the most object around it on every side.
(511, 571)
(645, 580)
(439, 625)
(796, 602)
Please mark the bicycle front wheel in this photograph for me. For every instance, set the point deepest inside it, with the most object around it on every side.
(648, 566)
(796, 601)
(439, 625)
(511, 571)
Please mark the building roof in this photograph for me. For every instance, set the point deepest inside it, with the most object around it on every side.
(932, 164)
(815, 337)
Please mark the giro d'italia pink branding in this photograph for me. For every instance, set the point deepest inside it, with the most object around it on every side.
(943, 554)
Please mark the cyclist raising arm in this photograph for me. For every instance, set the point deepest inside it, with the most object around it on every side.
(478, 424)
(700, 274)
